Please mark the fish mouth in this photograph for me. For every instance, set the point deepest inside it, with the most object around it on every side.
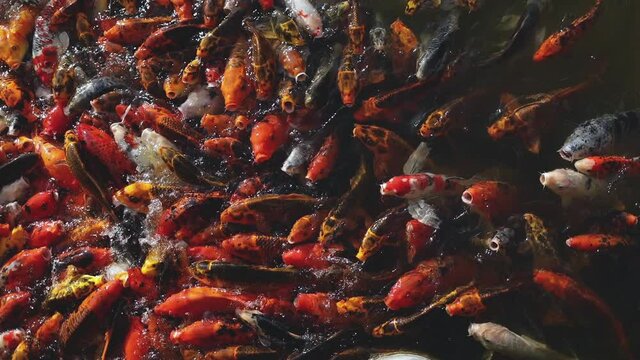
(565, 155)
(231, 106)
(288, 106)
(467, 197)
(302, 77)
(543, 180)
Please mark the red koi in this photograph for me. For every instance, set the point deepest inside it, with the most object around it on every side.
(603, 167)
(429, 278)
(562, 40)
(41, 206)
(595, 242)
(25, 268)
(267, 137)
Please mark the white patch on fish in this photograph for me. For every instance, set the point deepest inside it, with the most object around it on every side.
(14, 191)
(306, 16)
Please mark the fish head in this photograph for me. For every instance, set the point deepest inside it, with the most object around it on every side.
(562, 181)
(372, 137)
(235, 87)
(503, 126)
(135, 196)
(378, 38)
(348, 85)
(436, 124)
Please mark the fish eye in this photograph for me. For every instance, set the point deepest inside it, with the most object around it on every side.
(134, 199)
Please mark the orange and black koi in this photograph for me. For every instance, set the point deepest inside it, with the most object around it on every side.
(567, 37)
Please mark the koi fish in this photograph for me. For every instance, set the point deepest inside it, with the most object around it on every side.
(267, 136)
(306, 16)
(421, 185)
(595, 242)
(571, 185)
(491, 199)
(567, 37)
(602, 167)
(48, 45)
(433, 54)
(498, 338)
(601, 135)
(235, 83)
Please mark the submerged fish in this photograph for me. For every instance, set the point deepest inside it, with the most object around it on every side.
(433, 54)
(601, 135)
(498, 338)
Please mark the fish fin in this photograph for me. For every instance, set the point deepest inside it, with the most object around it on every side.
(540, 36)
(417, 160)
(532, 141)
(509, 102)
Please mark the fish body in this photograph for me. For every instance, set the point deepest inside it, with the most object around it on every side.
(319, 81)
(562, 40)
(306, 16)
(421, 185)
(498, 338)
(48, 45)
(492, 200)
(527, 22)
(600, 136)
(602, 167)
(528, 116)
(235, 82)
(348, 82)
(263, 63)
(79, 170)
(571, 185)
(81, 100)
(454, 115)
(433, 54)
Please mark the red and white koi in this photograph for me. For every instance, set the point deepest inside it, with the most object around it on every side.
(603, 167)
(306, 16)
(48, 45)
(422, 185)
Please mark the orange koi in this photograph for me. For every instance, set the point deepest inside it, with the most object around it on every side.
(306, 228)
(267, 136)
(311, 256)
(580, 297)
(136, 343)
(603, 167)
(196, 301)
(25, 268)
(12, 305)
(102, 146)
(595, 242)
(212, 333)
(55, 162)
(324, 161)
(92, 312)
(41, 206)
(492, 200)
(419, 237)
(292, 62)
(427, 279)
(133, 32)
(235, 85)
(562, 40)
